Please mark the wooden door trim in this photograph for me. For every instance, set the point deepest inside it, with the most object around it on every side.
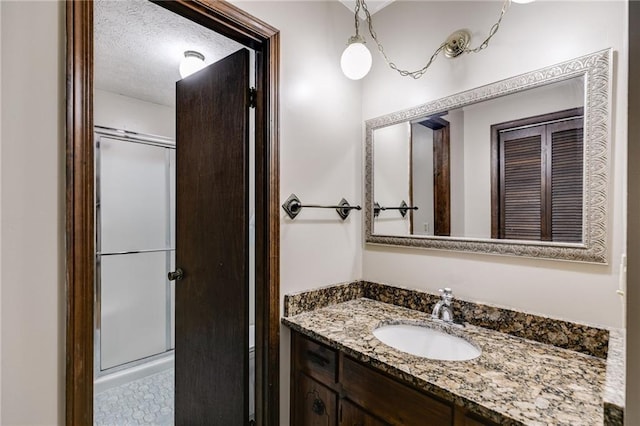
(441, 175)
(234, 23)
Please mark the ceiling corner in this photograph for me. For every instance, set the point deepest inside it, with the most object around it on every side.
(373, 5)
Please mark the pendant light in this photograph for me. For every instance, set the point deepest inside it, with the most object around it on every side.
(356, 58)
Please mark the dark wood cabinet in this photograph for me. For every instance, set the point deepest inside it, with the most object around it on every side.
(316, 405)
(352, 415)
(389, 399)
(330, 388)
(462, 418)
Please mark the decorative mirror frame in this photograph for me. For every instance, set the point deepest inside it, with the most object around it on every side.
(596, 69)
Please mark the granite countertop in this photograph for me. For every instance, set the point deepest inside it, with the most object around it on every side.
(515, 381)
(614, 397)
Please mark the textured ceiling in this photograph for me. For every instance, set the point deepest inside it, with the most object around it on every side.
(373, 5)
(139, 45)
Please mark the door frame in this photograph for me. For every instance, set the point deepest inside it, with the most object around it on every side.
(236, 24)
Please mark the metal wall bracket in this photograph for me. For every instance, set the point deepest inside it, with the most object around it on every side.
(403, 208)
(293, 206)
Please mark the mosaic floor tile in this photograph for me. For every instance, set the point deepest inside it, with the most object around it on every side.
(146, 401)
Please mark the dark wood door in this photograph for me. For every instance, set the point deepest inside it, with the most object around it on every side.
(212, 349)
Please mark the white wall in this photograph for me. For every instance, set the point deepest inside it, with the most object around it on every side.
(527, 40)
(126, 113)
(391, 177)
(422, 178)
(0, 217)
(32, 226)
(320, 161)
(320, 150)
(632, 409)
(321, 134)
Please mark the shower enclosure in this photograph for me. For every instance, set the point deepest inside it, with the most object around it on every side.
(135, 195)
(135, 248)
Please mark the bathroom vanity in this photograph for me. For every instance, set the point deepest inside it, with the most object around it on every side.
(343, 375)
(419, 191)
(330, 387)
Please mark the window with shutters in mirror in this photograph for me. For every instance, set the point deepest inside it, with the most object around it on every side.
(537, 178)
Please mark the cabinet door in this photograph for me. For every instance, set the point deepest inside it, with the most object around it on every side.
(352, 415)
(465, 418)
(391, 400)
(313, 403)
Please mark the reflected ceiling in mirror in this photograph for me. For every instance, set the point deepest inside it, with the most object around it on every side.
(518, 167)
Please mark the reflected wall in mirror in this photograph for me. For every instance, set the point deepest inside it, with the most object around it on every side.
(518, 167)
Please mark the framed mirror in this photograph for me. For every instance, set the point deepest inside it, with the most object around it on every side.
(518, 167)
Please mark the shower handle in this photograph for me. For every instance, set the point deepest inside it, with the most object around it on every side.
(176, 275)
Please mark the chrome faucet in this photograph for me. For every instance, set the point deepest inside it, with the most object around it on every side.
(442, 310)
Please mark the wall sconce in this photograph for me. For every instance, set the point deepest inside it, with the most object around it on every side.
(356, 58)
(193, 62)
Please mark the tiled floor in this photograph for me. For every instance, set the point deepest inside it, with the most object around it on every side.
(146, 401)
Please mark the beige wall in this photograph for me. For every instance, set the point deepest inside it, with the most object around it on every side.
(320, 151)
(632, 412)
(0, 215)
(321, 135)
(391, 176)
(126, 113)
(320, 160)
(578, 292)
(32, 225)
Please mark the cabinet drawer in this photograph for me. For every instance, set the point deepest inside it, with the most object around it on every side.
(315, 359)
(391, 401)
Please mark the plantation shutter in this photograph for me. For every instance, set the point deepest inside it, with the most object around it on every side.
(566, 180)
(521, 176)
(541, 182)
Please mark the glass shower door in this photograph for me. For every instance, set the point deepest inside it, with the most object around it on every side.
(135, 250)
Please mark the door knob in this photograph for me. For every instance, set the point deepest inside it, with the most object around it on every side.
(175, 275)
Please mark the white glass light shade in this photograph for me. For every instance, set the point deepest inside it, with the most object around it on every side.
(192, 62)
(523, 1)
(356, 61)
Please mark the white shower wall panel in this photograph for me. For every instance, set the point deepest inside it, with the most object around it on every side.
(134, 201)
(136, 215)
(133, 311)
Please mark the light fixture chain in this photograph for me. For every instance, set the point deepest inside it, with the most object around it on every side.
(494, 29)
(419, 73)
(357, 17)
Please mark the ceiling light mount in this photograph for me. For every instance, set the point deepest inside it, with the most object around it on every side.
(457, 43)
(193, 62)
(194, 54)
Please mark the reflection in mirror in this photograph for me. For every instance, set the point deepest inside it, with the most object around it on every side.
(505, 167)
(487, 170)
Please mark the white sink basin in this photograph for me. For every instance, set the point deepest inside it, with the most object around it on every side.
(426, 342)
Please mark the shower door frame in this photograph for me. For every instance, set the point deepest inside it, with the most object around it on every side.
(159, 142)
(236, 24)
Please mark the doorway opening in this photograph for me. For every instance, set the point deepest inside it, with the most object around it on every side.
(264, 40)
